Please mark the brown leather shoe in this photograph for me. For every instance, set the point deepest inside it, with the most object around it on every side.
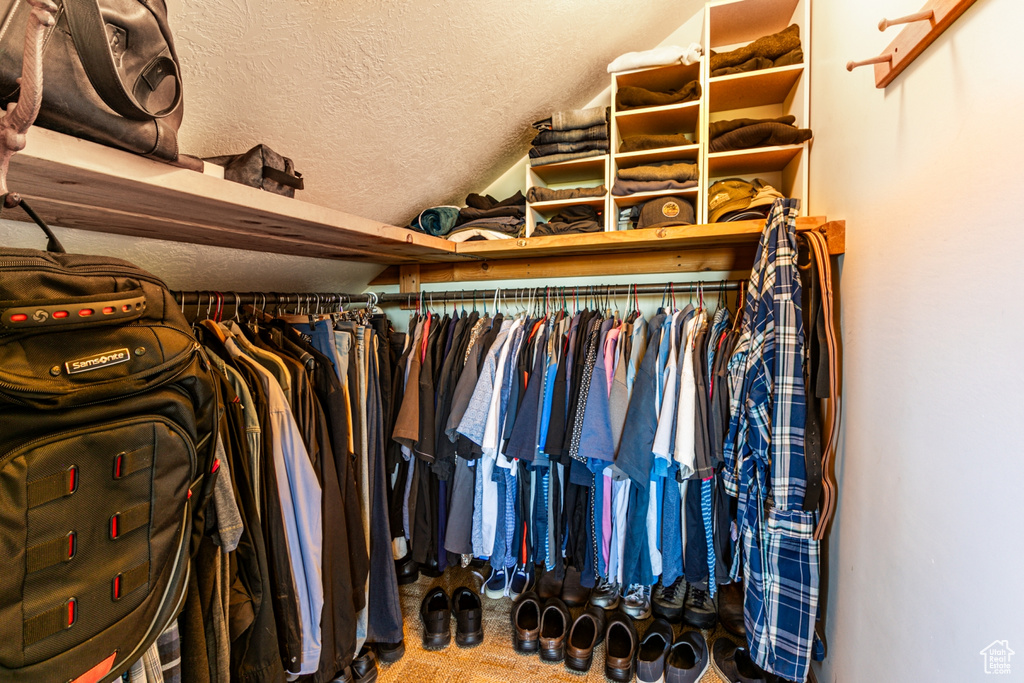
(730, 608)
(620, 647)
(586, 633)
(573, 592)
(548, 586)
(555, 621)
(526, 624)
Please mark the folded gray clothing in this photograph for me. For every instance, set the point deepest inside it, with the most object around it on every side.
(558, 158)
(622, 188)
(568, 148)
(546, 194)
(546, 137)
(760, 135)
(573, 119)
(682, 171)
(630, 97)
(717, 128)
(636, 143)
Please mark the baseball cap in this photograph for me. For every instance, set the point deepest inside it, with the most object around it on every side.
(666, 211)
(726, 196)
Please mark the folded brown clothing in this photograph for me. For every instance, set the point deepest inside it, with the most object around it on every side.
(683, 170)
(636, 143)
(722, 127)
(485, 202)
(568, 148)
(753, 64)
(630, 97)
(760, 135)
(769, 47)
(479, 206)
(546, 194)
(572, 219)
(622, 188)
(795, 56)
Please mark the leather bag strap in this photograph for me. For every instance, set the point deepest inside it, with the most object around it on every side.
(90, 37)
(282, 177)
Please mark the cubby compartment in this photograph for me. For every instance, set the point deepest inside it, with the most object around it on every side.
(588, 172)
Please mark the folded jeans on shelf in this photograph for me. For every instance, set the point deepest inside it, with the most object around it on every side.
(681, 171)
(568, 148)
(547, 137)
(574, 118)
(437, 220)
(624, 188)
(558, 158)
(637, 143)
(629, 97)
(546, 194)
(768, 47)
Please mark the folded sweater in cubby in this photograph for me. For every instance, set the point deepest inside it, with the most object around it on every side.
(546, 194)
(637, 143)
(747, 133)
(631, 97)
(623, 188)
(674, 170)
(768, 47)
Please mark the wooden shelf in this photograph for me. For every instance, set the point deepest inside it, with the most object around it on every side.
(664, 120)
(756, 160)
(754, 88)
(718, 234)
(574, 171)
(556, 204)
(735, 22)
(641, 197)
(659, 78)
(74, 183)
(683, 153)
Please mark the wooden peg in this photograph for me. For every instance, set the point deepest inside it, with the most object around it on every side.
(20, 115)
(926, 15)
(851, 65)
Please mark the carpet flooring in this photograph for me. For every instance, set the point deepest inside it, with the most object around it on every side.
(494, 660)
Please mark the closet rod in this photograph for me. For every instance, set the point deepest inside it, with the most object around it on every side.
(710, 287)
(326, 299)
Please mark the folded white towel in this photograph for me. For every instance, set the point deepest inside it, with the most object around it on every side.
(659, 56)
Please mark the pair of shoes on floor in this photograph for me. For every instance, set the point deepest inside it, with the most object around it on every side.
(733, 664)
(436, 615)
(511, 582)
(551, 631)
(687, 603)
(663, 658)
(569, 589)
(409, 570)
(362, 670)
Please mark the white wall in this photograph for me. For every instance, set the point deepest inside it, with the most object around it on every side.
(926, 552)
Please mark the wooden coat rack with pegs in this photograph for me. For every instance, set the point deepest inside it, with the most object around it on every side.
(921, 29)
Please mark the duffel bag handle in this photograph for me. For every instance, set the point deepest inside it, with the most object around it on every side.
(13, 199)
(90, 36)
(283, 177)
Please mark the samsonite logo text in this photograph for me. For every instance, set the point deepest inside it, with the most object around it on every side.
(102, 360)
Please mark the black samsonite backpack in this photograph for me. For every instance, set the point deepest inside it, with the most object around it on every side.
(108, 414)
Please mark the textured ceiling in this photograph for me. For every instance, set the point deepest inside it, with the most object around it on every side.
(387, 107)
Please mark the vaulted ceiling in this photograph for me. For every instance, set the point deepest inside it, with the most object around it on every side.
(387, 106)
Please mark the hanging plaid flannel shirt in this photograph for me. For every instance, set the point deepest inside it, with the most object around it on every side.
(765, 459)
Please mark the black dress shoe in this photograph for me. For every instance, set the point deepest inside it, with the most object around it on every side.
(526, 624)
(436, 614)
(555, 621)
(431, 568)
(650, 657)
(389, 653)
(469, 618)
(408, 570)
(620, 645)
(364, 666)
(586, 633)
(730, 608)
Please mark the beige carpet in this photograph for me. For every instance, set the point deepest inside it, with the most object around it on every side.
(494, 660)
